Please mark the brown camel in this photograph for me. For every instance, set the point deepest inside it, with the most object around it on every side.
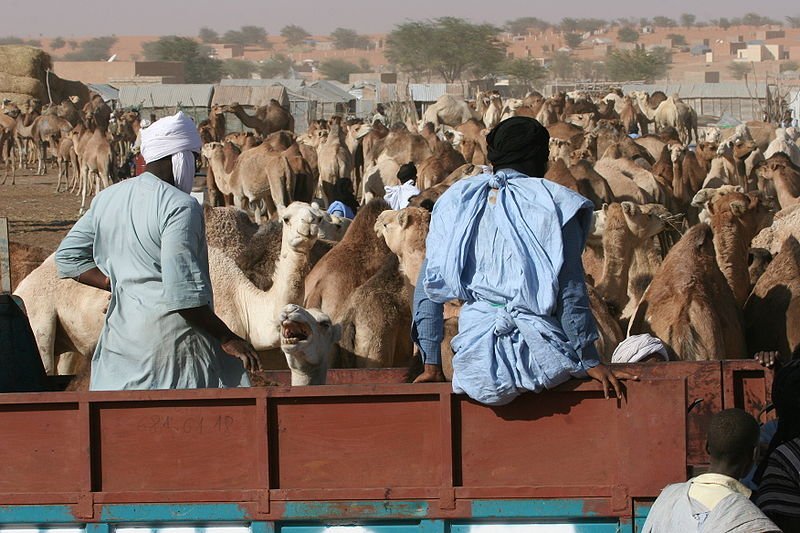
(473, 145)
(736, 218)
(48, 129)
(436, 168)
(267, 119)
(772, 312)
(785, 177)
(349, 264)
(335, 162)
(690, 306)
(428, 197)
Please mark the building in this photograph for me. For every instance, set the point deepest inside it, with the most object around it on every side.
(114, 71)
(168, 99)
(757, 52)
(738, 99)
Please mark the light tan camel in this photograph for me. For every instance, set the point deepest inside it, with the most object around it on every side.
(785, 224)
(450, 111)
(335, 162)
(264, 178)
(267, 119)
(308, 340)
(689, 305)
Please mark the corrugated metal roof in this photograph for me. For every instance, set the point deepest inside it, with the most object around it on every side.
(291, 84)
(255, 96)
(700, 90)
(166, 95)
(106, 91)
(427, 92)
(324, 91)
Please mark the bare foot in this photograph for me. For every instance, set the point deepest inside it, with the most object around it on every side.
(431, 374)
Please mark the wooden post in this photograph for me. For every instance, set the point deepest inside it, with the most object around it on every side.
(5, 258)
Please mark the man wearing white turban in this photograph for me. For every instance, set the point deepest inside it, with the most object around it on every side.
(144, 241)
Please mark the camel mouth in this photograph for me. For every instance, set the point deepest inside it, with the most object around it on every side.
(293, 333)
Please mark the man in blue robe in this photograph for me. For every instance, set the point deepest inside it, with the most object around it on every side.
(143, 240)
(509, 246)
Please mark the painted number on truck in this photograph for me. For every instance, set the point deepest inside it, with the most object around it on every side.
(197, 425)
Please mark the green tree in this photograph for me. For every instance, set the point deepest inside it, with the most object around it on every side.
(628, 35)
(97, 49)
(198, 66)
(520, 26)
(247, 35)
(345, 38)
(207, 35)
(525, 71)
(573, 40)
(664, 22)
(590, 70)
(73, 45)
(688, 20)
(561, 66)
(677, 39)
(722, 22)
(590, 24)
(438, 46)
(338, 69)
(638, 64)
(11, 40)
(294, 34)
(754, 19)
(58, 43)
(277, 66)
(238, 68)
(739, 71)
(568, 24)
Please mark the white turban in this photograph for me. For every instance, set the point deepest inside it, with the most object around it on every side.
(637, 347)
(174, 136)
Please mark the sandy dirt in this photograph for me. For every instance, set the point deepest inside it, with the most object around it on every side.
(38, 215)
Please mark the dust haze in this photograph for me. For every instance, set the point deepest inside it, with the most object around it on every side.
(50, 18)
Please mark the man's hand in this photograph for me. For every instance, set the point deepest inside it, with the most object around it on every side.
(244, 351)
(431, 374)
(611, 378)
(769, 359)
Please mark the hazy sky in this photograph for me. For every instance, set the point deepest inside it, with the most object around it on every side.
(50, 18)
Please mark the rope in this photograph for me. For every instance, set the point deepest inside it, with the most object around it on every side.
(47, 80)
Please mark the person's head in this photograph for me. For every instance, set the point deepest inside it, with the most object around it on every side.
(519, 143)
(732, 442)
(169, 148)
(407, 172)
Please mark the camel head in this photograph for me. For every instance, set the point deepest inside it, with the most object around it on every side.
(210, 149)
(750, 210)
(331, 227)
(598, 226)
(307, 340)
(560, 149)
(234, 107)
(300, 226)
(405, 230)
(645, 222)
(676, 152)
(742, 148)
(712, 134)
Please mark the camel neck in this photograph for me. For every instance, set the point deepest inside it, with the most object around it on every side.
(730, 245)
(308, 375)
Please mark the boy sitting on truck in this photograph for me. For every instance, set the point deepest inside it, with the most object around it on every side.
(716, 502)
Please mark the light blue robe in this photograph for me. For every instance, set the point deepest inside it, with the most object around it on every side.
(148, 237)
(495, 242)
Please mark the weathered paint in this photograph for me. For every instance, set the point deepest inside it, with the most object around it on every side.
(36, 514)
(364, 510)
(555, 508)
(210, 512)
(528, 527)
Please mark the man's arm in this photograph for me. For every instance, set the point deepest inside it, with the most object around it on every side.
(427, 331)
(204, 318)
(75, 255)
(575, 313)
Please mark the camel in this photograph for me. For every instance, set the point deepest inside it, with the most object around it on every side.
(349, 264)
(653, 144)
(445, 159)
(427, 198)
(784, 176)
(783, 143)
(735, 219)
(335, 162)
(473, 145)
(67, 316)
(405, 146)
(785, 224)
(690, 306)
(264, 178)
(761, 133)
(267, 119)
(620, 173)
(626, 227)
(493, 103)
(96, 160)
(671, 113)
(772, 310)
(382, 173)
(704, 196)
(24, 260)
(8, 125)
(308, 340)
(450, 111)
(48, 129)
(631, 116)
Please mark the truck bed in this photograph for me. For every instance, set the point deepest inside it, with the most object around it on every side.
(380, 453)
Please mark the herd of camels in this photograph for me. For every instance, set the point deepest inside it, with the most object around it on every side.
(694, 239)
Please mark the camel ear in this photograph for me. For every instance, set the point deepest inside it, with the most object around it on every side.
(605, 208)
(405, 220)
(629, 208)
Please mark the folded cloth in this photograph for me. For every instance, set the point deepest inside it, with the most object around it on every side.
(637, 347)
(397, 196)
(340, 209)
(169, 136)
